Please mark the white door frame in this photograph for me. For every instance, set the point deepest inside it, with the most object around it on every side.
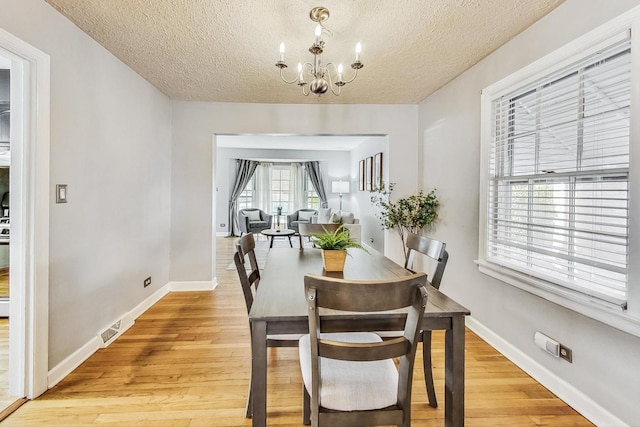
(29, 186)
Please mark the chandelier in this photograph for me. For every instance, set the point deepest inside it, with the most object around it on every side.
(321, 75)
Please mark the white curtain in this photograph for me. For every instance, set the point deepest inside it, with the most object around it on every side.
(263, 187)
(296, 188)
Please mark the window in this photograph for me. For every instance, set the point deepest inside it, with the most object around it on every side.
(556, 177)
(311, 196)
(245, 200)
(274, 185)
(280, 179)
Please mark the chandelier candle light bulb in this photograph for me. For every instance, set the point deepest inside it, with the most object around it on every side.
(323, 76)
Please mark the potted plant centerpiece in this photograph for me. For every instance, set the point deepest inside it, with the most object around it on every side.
(334, 247)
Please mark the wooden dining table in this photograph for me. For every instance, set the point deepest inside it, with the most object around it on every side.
(280, 307)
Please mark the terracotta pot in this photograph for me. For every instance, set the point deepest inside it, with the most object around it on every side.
(334, 259)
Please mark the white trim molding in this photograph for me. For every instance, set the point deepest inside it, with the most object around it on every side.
(575, 398)
(29, 287)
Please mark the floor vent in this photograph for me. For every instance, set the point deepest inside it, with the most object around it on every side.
(110, 333)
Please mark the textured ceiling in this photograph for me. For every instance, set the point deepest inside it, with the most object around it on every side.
(225, 50)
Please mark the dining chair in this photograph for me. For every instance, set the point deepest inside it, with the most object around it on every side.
(339, 389)
(306, 229)
(249, 280)
(436, 251)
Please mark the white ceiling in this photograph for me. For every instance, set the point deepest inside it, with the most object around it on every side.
(225, 50)
(293, 142)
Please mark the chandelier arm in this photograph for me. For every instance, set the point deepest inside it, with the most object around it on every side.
(308, 90)
(311, 68)
(330, 80)
(285, 80)
(334, 91)
(353, 78)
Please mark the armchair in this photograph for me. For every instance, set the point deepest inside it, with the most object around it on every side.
(300, 216)
(253, 220)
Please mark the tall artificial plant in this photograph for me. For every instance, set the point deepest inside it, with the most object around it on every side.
(407, 215)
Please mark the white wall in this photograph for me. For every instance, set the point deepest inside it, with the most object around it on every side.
(372, 232)
(194, 126)
(605, 360)
(332, 163)
(111, 144)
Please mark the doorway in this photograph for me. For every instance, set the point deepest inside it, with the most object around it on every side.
(5, 164)
(29, 212)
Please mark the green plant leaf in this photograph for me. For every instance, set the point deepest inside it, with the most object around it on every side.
(338, 240)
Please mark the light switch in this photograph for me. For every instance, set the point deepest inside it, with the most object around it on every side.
(61, 193)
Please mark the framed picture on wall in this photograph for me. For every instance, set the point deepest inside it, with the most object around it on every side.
(368, 184)
(361, 172)
(377, 170)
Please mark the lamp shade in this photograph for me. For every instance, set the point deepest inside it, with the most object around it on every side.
(341, 187)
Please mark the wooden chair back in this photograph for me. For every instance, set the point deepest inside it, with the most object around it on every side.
(245, 248)
(433, 249)
(364, 297)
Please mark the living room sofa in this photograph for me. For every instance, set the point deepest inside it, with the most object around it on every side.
(335, 216)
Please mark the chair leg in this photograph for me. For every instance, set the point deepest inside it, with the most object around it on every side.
(249, 408)
(428, 373)
(306, 406)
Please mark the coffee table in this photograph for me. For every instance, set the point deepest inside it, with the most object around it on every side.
(278, 233)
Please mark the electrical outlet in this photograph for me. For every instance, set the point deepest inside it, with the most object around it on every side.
(147, 281)
(223, 225)
(566, 353)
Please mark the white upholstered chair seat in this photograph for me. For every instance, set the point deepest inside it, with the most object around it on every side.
(344, 382)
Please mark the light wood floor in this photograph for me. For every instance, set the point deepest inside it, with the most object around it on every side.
(4, 282)
(186, 362)
(5, 399)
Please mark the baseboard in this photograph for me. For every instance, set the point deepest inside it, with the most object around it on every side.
(575, 398)
(64, 368)
(193, 286)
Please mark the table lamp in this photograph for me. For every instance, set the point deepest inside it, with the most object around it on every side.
(341, 187)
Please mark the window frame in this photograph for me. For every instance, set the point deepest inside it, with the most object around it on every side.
(278, 201)
(310, 193)
(627, 320)
(249, 193)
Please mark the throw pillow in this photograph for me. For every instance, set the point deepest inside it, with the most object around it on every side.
(253, 215)
(347, 218)
(335, 218)
(305, 215)
(324, 216)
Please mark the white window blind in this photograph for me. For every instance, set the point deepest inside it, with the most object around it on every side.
(558, 176)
